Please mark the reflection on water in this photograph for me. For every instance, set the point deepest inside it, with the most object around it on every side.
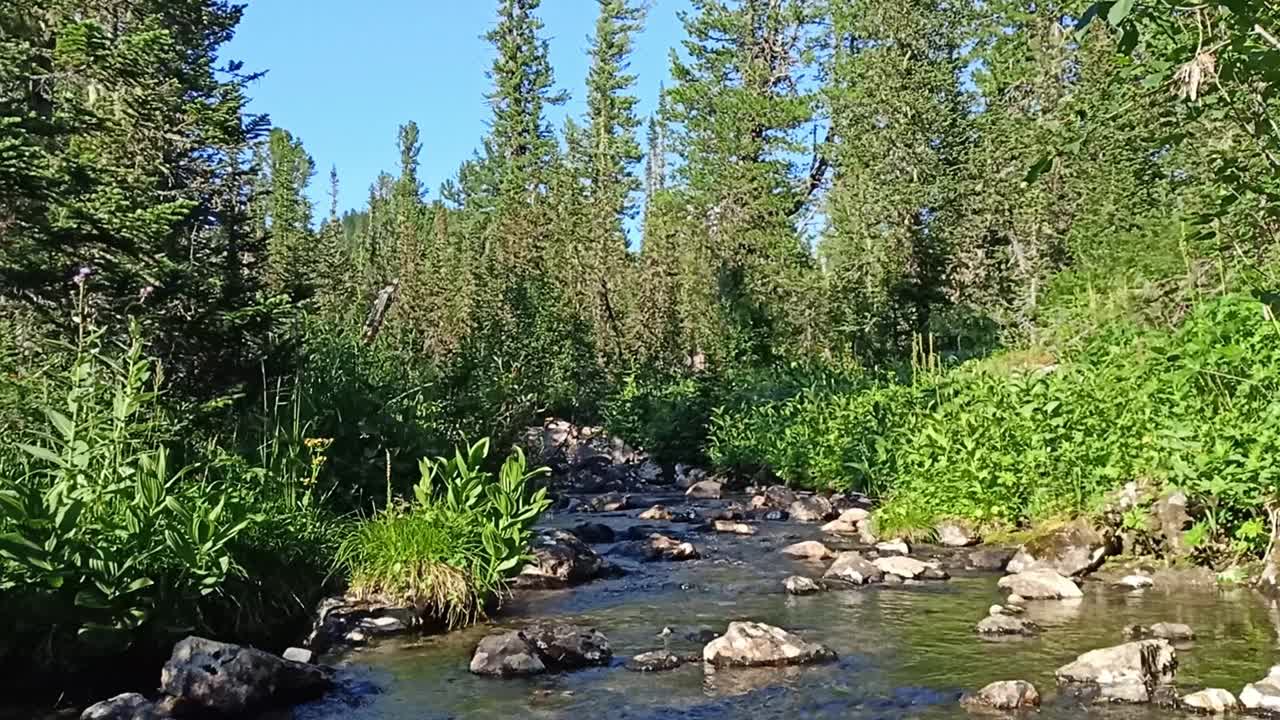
(904, 652)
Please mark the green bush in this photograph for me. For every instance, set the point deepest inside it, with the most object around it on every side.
(452, 549)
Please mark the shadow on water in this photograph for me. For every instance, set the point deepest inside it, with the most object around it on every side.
(904, 652)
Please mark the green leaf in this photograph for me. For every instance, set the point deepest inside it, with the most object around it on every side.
(61, 422)
(1119, 11)
(45, 454)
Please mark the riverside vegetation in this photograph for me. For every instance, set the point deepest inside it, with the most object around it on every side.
(982, 261)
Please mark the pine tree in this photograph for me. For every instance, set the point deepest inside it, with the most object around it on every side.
(291, 250)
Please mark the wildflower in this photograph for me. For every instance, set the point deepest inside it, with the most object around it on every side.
(82, 274)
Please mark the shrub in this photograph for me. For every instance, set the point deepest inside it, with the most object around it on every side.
(451, 549)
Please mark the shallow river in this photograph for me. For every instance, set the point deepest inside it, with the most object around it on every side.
(905, 652)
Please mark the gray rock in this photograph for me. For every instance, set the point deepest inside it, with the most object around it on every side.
(1041, 585)
(1214, 701)
(812, 509)
(953, 533)
(609, 502)
(1175, 632)
(1005, 695)
(649, 473)
(893, 547)
(990, 558)
(298, 655)
(1170, 512)
(902, 566)
(808, 550)
(850, 522)
(658, 547)
(657, 512)
(352, 621)
(592, 532)
(1264, 695)
(569, 647)
(656, 661)
(852, 568)
(799, 585)
(129, 706)
(506, 654)
(750, 644)
(208, 676)
(688, 476)
(1130, 673)
(705, 490)
(775, 516)
(774, 496)
(1135, 582)
(1002, 624)
(1072, 550)
(732, 528)
(560, 559)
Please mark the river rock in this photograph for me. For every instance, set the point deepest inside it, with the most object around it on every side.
(568, 647)
(212, 677)
(774, 496)
(849, 522)
(560, 559)
(732, 528)
(1170, 512)
(990, 558)
(852, 568)
(506, 654)
(298, 655)
(1214, 701)
(592, 532)
(1263, 695)
(129, 706)
(1130, 673)
(649, 473)
(705, 490)
(687, 476)
(1002, 624)
(894, 547)
(657, 512)
(658, 547)
(812, 509)
(799, 585)
(608, 502)
(1041, 585)
(1175, 632)
(902, 566)
(1072, 550)
(808, 550)
(344, 620)
(751, 644)
(1135, 582)
(656, 661)
(957, 534)
(1004, 695)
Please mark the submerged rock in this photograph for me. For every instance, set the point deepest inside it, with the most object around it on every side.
(656, 661)
(1130, 673)
(812, 509)
(1072, 550)
(1175, 632)
(1004, 695)
(129, 706)
(799, 585)
(1214, 701)
(705, 490)
(1041, 585)
(1263, 695)
(750, 644)
(658, 547)
(808, 550)
(851, 567)
(560, 559)
(212, 677)
(1002, 624)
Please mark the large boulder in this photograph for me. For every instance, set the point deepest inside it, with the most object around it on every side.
(1264, 695)
(129, 706)
(1072, 550)
(1130, 673)
(540, 648)
(852, 568)
(204, 676)
(1041, 585)
(560, 559)
(808, 550)
(349, 620)
(1214, 701)
(750, 644)
(1005, 695)
(812, 509)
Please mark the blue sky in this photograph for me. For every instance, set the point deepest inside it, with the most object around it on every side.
(344, 75)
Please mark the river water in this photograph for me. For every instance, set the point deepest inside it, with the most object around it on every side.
(905, 652)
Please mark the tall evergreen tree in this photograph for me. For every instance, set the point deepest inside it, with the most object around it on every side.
(291, 250)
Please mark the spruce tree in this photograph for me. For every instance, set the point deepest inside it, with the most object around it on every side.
(291, 251)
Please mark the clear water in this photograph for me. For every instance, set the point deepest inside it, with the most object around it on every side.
(906, 652)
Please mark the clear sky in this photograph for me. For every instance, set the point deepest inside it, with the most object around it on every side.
(343, 75)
